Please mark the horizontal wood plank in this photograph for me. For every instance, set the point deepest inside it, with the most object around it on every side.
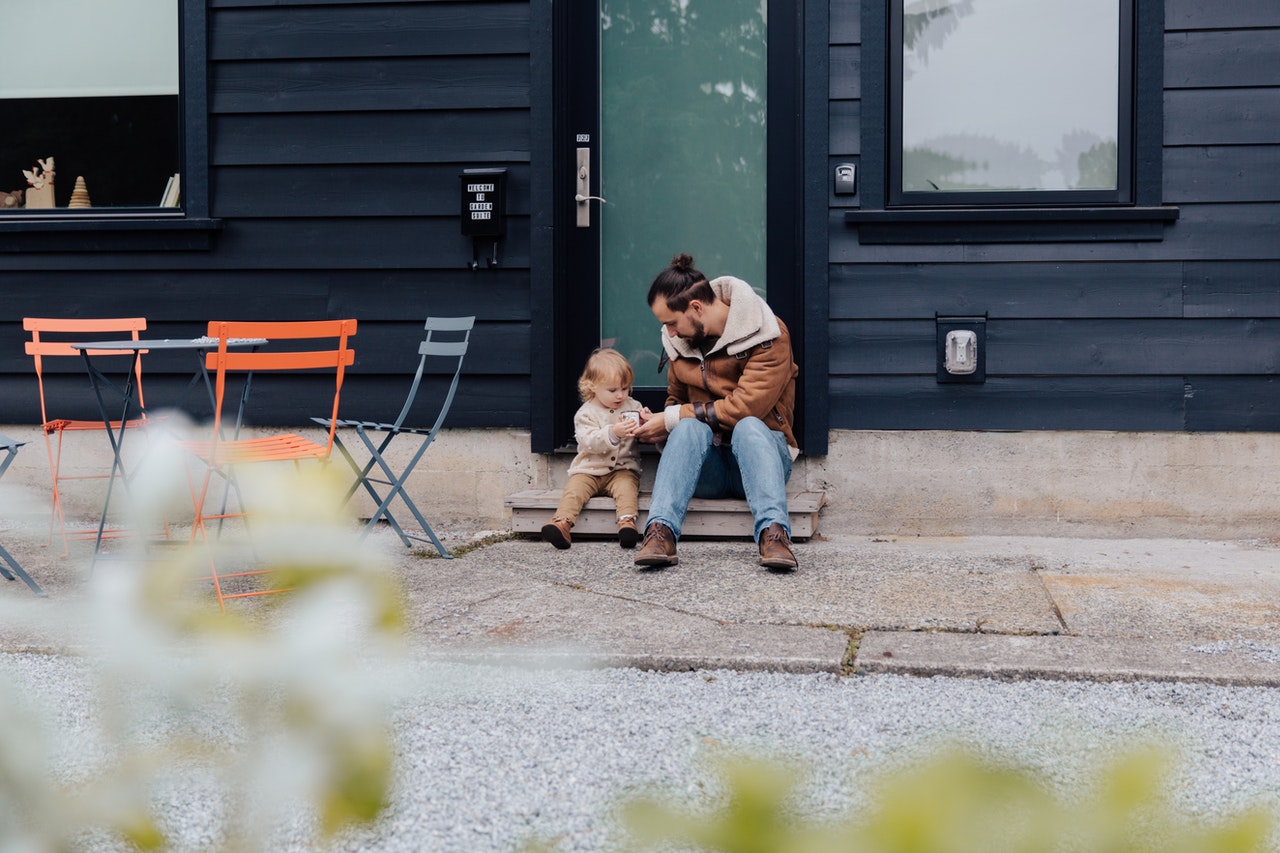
(495, 349)
(844, 129)
(845, 80)
(1008, 403)
(1226, 173)
(475, 137)
(1233, 403)
(179, 303)
(317, 30)
(355, 86)
(1222, 58)
(1007, 290)
(845, 24)
(357, 190)
(1087, 347)
(487, 294)
(1199, 15)
(1232, 289)
(1221, 116)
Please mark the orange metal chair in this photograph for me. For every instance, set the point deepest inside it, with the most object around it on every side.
(327, 348)
(40, 347)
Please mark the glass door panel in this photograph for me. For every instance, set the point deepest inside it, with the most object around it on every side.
(683, 124)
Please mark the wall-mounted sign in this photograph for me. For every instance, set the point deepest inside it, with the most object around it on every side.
(484, 202)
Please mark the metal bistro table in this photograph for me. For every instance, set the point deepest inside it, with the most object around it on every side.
(128, 392)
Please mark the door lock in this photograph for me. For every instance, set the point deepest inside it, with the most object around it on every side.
(582, 194)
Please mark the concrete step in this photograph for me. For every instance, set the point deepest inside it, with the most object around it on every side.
(722, 518)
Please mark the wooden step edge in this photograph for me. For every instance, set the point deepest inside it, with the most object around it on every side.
(719, 525)
(548, 499)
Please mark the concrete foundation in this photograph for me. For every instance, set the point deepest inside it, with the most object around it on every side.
(926, 483)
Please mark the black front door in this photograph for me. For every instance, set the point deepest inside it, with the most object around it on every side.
(667, 140)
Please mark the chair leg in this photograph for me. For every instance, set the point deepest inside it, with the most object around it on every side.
(55, 506)
(426, 528)
(359, 472)
(198, 528)
(397, 490)
(6, 557)
(362, 478)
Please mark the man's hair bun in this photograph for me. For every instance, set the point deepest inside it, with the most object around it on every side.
(682, 262)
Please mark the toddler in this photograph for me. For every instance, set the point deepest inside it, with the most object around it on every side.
(608, 461)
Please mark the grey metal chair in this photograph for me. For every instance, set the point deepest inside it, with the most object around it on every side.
(446, 340)
(9, 447)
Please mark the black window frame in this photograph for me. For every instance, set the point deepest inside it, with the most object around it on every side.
(188, 227)
(1123, 194)
(1011, 217)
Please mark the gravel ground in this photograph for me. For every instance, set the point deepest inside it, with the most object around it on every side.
(491, 758)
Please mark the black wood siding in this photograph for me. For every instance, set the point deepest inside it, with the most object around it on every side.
(337, 134)
(1180, 334)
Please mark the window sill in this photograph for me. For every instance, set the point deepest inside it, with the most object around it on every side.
(119, 233)
(1011, 225)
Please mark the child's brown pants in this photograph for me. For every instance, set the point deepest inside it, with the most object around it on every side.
(621, 485)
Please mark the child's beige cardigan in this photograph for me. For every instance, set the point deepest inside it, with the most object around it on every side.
(599, 451)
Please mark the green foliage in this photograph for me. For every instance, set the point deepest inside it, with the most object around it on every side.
(956, 803)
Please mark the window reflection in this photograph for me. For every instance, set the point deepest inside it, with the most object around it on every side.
(1001, 95)
(683, 149)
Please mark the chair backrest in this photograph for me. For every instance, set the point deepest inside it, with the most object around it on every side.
(457, 333)
(69, 331)
(329, 349)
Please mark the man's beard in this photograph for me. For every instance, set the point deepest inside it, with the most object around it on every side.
(699, 336)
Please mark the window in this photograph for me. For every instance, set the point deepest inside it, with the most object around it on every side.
(1010, 101)
(104, 111)
(1011, 121)
(89, 94)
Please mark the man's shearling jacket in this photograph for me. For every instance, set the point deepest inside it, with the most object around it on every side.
(749, 371)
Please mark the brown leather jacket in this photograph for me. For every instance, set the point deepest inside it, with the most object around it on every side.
(722, 389)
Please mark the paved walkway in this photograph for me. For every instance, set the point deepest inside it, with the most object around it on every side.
(1166, 609)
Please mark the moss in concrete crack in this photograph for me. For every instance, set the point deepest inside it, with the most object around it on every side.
(468, 547)
(847, 663)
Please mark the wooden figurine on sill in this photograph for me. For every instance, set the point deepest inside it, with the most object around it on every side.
(80, 195)
(41, 180)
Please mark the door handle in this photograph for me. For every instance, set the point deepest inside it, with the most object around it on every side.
(582, 188)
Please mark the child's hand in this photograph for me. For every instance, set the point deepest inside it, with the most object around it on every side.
(626, 425)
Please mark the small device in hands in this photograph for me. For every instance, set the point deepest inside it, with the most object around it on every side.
(634, 417)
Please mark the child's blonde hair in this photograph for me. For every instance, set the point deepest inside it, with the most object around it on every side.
(602, 366)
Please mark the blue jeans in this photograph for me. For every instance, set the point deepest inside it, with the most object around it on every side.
(755, 465)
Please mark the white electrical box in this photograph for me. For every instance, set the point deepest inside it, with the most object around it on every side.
(961, 352)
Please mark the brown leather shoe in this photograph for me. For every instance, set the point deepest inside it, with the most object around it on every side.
(775, 549)
(556, 531)
(628, 535)
(659, 546)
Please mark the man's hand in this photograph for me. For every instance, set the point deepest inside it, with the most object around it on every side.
(652, 429)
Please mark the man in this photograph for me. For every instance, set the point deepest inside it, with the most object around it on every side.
(727, 422)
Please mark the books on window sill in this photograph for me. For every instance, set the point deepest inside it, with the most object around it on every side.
(171, 191)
